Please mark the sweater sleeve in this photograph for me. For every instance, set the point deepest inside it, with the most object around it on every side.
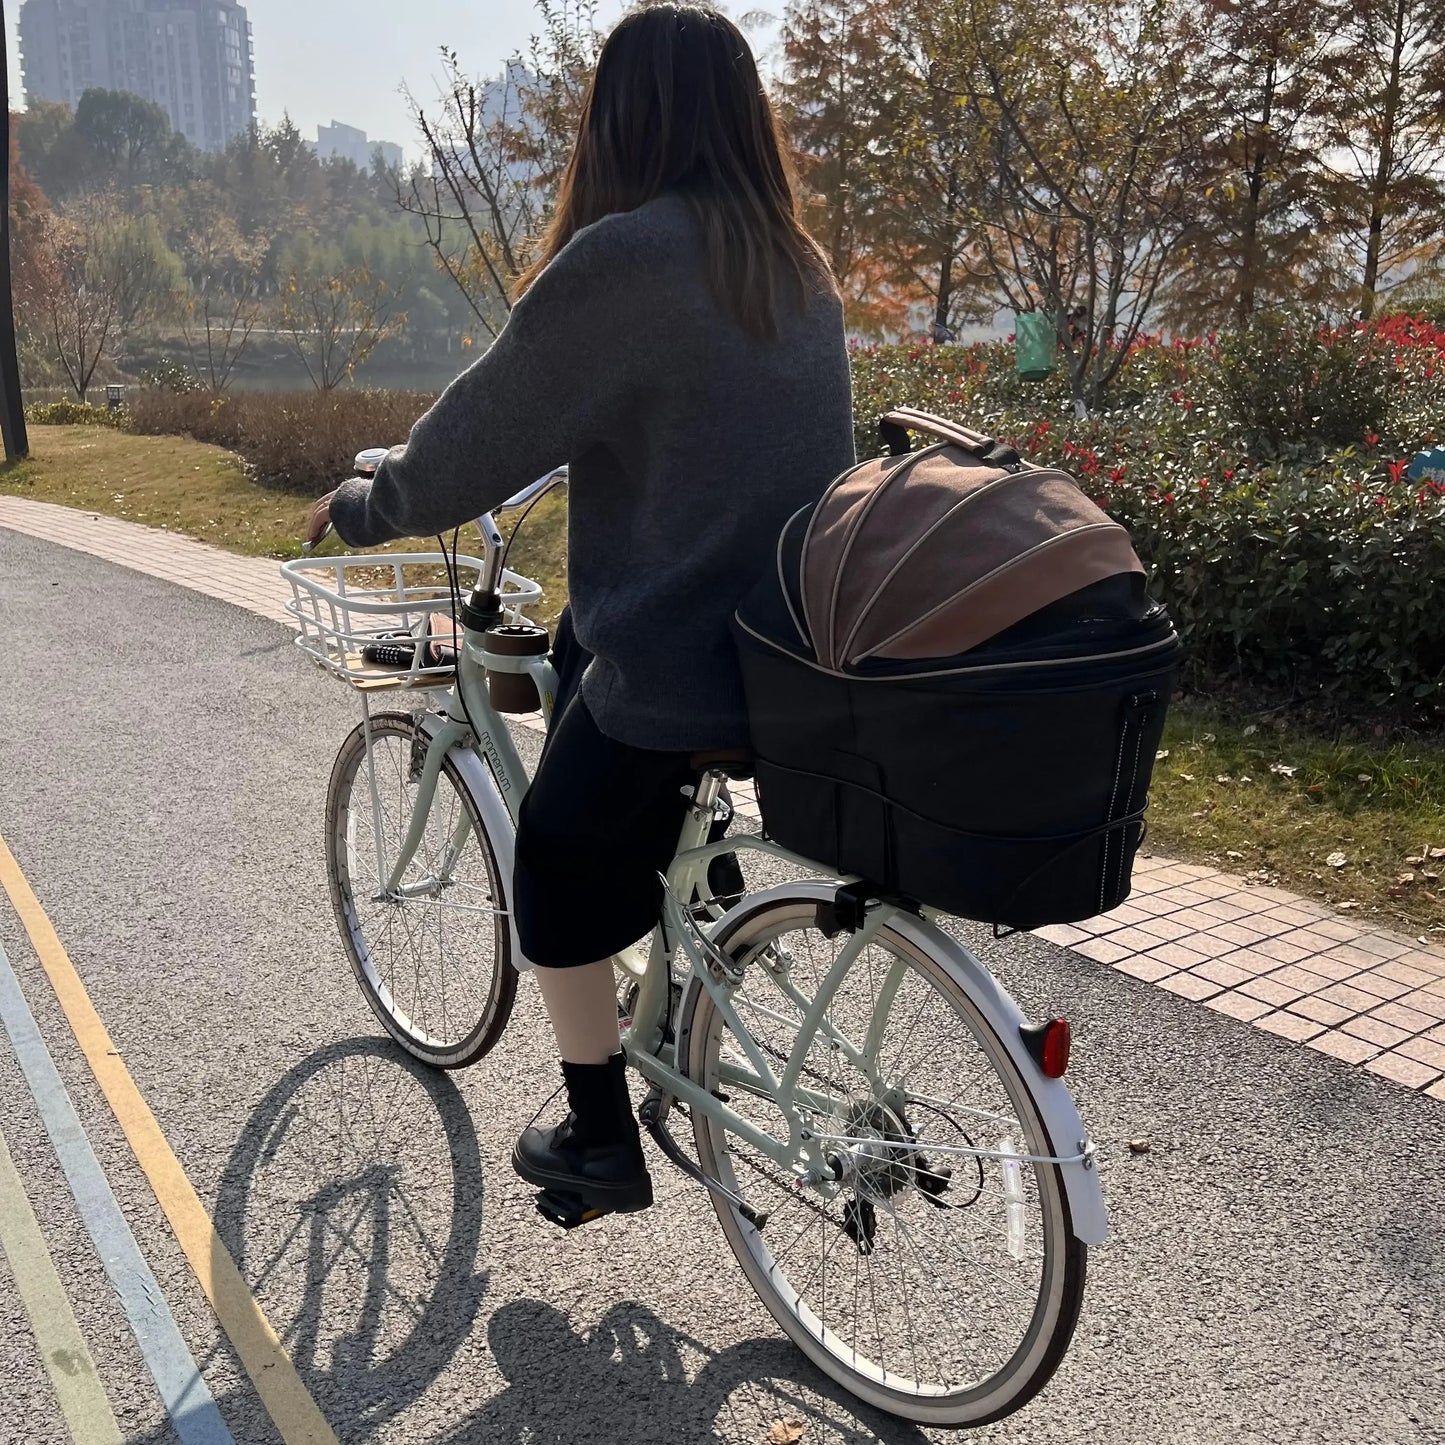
(550, 387)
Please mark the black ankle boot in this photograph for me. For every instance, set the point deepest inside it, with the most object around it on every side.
(592, 1162)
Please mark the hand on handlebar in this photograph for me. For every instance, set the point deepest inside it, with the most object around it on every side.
(319, 527)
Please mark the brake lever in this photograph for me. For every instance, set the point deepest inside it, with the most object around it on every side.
(308, 546)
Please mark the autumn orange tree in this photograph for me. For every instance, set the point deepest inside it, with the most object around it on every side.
(71, 300)
(930, 226)
(333, 320)
(834, 111)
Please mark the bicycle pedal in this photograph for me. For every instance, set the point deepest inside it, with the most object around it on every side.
(566, 1211)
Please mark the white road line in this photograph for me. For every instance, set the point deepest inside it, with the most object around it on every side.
(188, 1401)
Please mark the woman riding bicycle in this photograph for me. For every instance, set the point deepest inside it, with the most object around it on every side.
(679, 342)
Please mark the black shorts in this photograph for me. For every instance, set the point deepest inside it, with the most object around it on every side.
(600, 823)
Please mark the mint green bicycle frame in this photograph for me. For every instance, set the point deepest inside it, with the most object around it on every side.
(474, 725)
(465, 722)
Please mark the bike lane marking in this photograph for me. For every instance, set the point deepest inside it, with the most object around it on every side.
(187, 1400)
(295, 1414)
(62, 1347)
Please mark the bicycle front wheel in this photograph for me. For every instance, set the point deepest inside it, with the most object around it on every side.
(433, 955)
(936, 1284)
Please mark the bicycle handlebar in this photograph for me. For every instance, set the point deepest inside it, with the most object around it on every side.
(495, 548)
(492, 541)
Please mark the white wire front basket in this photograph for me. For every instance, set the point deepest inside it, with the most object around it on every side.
(385, 620)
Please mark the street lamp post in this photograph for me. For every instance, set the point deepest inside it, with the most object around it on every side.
(12, 407)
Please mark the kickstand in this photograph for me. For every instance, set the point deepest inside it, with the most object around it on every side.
(651, 1116)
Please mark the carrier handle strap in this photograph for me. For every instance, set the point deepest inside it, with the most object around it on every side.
(895, 426)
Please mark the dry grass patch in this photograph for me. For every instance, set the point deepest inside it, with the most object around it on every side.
(172, 482)
(205, 492)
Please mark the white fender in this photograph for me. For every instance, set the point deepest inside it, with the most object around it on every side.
(1055, 1104)
(501, 831)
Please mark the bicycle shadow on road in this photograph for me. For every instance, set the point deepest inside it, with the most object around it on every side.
(352, 1204)
(628, 1381)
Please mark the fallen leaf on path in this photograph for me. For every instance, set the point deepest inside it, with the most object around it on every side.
(1337, 860)
(785, 1432)
(1138, 1146)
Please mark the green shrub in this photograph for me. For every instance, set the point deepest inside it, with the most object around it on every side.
(1316, 580)
(1291, 389)
(1279, 530)
(74, 413)
(298, 441)
(1315, 571)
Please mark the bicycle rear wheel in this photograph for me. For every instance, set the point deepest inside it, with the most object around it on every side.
(434, 958)
(941, 1287)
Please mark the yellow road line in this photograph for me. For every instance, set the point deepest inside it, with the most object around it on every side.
(296, 1415)
(57, 1332)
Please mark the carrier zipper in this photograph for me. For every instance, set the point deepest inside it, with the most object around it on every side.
(982, 671)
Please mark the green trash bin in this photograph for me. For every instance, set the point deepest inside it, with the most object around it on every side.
(1036, 345)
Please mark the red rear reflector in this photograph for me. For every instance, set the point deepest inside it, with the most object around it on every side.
(1054, 1056)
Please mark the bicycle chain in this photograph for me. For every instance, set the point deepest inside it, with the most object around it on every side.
(772, 1178)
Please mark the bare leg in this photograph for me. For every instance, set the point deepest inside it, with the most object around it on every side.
(582, 1004)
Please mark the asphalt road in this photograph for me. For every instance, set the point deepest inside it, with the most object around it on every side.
(1275, 1271)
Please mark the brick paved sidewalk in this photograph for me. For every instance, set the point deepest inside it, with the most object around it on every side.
(1362, 994)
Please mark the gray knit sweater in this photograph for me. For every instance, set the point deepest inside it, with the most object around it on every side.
(690, 444)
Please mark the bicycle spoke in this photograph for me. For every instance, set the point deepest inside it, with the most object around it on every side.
(943, 1289)
(431, 952)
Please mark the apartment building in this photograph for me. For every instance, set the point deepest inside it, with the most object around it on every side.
(194, 58)
(347, 142)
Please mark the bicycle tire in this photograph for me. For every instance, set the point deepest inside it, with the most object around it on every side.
(1042, 1345)
(495, 1000)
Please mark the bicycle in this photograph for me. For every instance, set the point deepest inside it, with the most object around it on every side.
(865, 1098)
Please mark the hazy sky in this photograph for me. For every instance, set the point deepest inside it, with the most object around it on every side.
(345, 60)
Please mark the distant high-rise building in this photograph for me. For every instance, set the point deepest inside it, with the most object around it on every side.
(347, 143)
(194, 58)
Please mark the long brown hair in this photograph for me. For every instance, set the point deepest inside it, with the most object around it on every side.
(677, 105)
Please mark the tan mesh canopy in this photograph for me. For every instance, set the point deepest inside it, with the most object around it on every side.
(933, 553)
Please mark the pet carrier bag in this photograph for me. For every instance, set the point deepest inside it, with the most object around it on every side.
(956, 683)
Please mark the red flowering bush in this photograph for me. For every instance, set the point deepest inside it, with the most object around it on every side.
(1281, 530)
